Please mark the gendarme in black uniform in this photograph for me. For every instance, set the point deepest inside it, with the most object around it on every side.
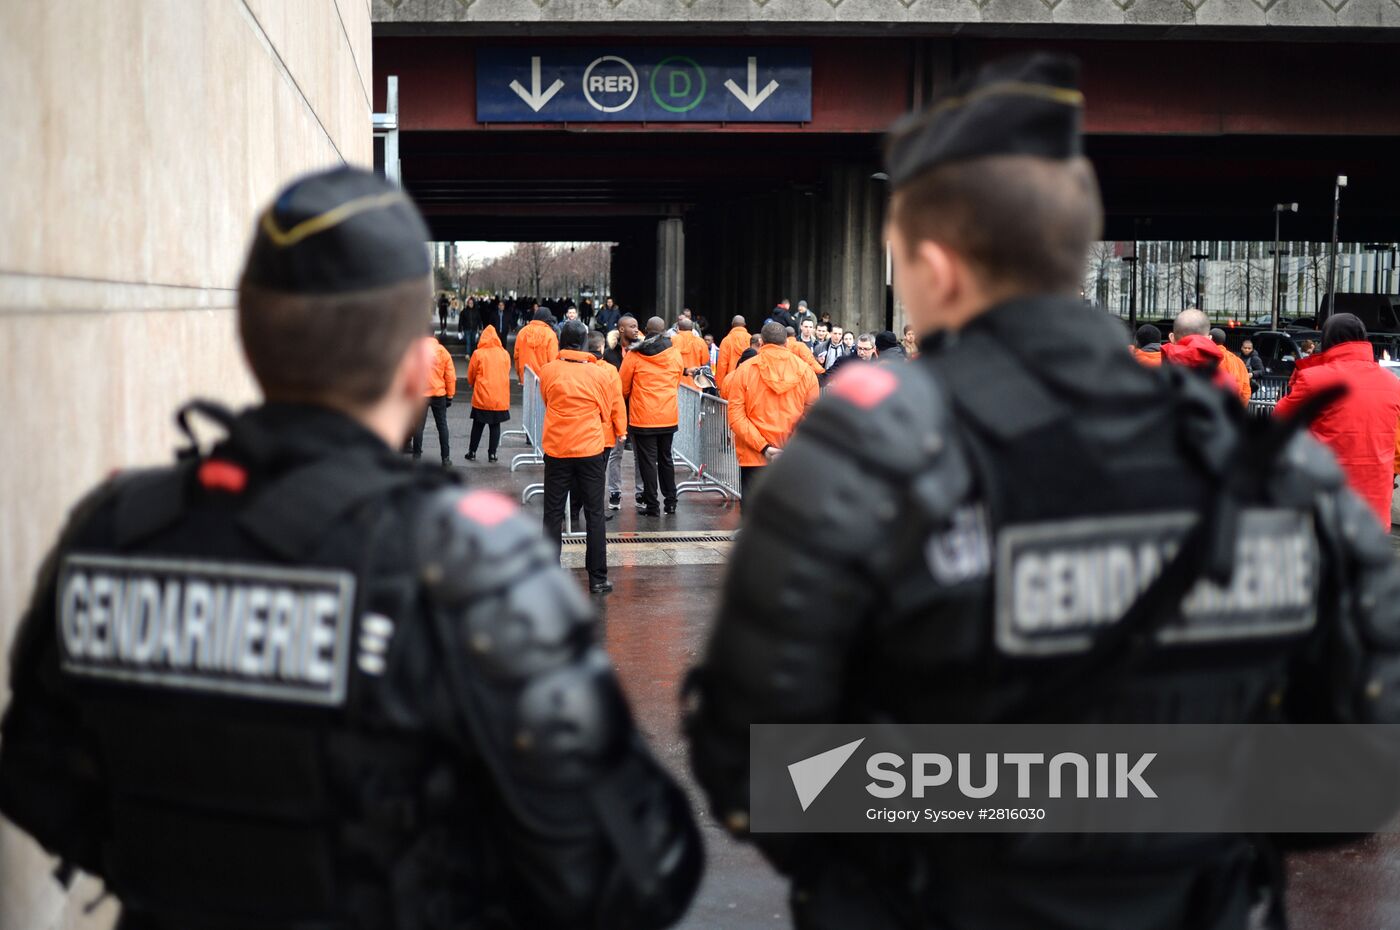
(918, 586)
(298, 683)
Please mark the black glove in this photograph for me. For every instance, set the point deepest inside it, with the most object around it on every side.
(449, 402)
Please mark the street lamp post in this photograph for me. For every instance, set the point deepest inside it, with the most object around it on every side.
(1131, 261)
(1199, 257)
(1332, 263)
(1279, 210)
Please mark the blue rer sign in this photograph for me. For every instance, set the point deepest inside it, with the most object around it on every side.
(602, 85)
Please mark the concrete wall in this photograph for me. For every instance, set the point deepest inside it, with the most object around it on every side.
(140, 138)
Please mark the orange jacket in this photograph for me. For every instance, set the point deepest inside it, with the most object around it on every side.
(578, 406)
(767, 396)
(1150, 359)
(619, 412)
(730, 348)
(694, 353)
(799, 348)
(442, 377)
(536, 346)
(651, 376)
(488, 372)
(1235, 367)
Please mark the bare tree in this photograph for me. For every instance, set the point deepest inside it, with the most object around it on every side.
(1102, 257)
(468, 265)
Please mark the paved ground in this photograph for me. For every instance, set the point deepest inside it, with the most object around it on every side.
(655, 624)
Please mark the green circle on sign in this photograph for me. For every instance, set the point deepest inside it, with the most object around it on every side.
(674, 91)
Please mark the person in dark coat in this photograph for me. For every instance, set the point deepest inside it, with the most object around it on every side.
(888, 348)
(497, 317)
(608, 316)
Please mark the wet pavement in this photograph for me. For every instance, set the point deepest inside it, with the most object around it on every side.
(655, 625)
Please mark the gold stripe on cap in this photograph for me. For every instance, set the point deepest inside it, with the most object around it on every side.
(1047, 92)
(324, 221)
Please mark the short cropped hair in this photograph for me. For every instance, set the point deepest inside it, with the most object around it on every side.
(337, 349)
(774, 334)
(1017, 220)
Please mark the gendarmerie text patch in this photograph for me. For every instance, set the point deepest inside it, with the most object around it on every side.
(255, 631)
(1059, 582)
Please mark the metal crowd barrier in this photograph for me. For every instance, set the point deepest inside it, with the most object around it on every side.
(715, 463)
(528, 404)
(685, 447)
(532, 421)
(1268, 391)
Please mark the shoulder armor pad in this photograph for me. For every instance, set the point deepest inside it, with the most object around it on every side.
(895, 417)
(1305, 469)
(515, 611)
(882, 438)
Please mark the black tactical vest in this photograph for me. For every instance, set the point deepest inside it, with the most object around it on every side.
(242, 633)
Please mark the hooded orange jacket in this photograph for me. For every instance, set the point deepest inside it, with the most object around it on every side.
(651, 376)
(442, 377)
(694, 353)
(1149, 359)
(579, 412)
(536, 346)
(488, 372)
(730, 348)
(799, 348)
(767, 397)
(619, 414)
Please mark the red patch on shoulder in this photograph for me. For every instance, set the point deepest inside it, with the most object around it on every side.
(218, 475)
(864, 385)
(486, 507)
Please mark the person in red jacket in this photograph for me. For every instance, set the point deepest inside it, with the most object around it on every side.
(442, 387)
(1360, 427)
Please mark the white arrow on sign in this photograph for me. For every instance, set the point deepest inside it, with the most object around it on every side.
(534, 98)
(752, 98)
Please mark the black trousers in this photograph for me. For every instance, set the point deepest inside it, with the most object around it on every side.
(654, 459)
(495, 441)
(581, 479)
(747, 474)
(438, 407)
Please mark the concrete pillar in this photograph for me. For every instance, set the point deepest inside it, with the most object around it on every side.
(670, 268)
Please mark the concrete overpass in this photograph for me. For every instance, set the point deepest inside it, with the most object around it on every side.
(1201, 115)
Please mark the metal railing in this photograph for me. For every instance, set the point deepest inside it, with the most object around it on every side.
(532, 421)
(1268, 391)
(685, 448)
(715, 462)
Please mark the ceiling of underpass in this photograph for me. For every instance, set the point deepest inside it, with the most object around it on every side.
(604, 186)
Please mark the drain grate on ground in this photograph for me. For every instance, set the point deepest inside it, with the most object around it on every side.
(670, 538)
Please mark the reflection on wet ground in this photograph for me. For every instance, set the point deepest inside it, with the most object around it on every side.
(655, 625)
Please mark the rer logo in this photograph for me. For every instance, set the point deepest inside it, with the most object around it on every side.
(678, 84)
(610, 84)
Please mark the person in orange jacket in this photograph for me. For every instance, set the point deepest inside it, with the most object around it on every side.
(580, 415)
(693, 351)
(1233, 366)
(730, 348)
(651, 376)
(767, 398)
(488, 373)
(1148, 351)
(442, 387)
(799, 349)
(535, 345)
(597, 346)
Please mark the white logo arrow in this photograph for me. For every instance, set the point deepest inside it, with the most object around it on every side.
(752, 98)
(534, 98)
(811, 776)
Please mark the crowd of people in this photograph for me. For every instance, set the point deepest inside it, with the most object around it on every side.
(610, 382)
(1360, 424)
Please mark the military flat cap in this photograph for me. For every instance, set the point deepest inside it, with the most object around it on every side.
(1028, 105)
(338, 231)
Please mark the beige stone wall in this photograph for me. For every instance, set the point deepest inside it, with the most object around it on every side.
(140, 137)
